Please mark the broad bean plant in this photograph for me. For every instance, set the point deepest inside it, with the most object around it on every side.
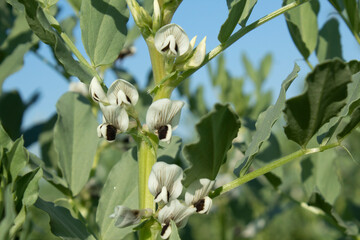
(112, 166)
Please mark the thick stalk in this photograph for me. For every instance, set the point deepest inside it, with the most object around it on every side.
(157, 61)
(269, 167)
(146, 159)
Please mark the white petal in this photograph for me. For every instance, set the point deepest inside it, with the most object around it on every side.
(156, 15)
(96, 91)
(177, 212)
(198, 56)
(116, 116)
(129, 93)
(99, 130)
(162, 196)
(198, 190)
(125, 216)
(165, 181)
(177, 33)
(163, 112)
(166, 231)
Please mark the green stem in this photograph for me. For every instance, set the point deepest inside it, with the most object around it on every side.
(271, 166)
(240, 33)
(309, 64)
(157, 61)
(146, 159)
(79, 56)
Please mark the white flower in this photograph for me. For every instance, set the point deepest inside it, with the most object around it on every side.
(96, 91)
(115, 120)
(172, 41)
(176, 212)
(163, 117)
(196, 195)
(122, 91)
(125, 216)
(165, 181)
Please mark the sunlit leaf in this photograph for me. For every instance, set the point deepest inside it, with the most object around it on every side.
(264, 124)
(329, 44)
(319, 174)
(10, 214)
(216, 131)
(121, 188)
(235, 11)
(18, 158)
(39, 23)
(103, 28)
(302, 25)
(75, 139)
(62, 223)
(324, 98)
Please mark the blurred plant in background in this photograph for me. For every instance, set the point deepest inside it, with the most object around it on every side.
(78, 180)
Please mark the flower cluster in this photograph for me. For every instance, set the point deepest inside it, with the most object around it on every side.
(165, 185)
(162, 116)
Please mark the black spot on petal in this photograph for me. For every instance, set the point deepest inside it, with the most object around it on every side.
(162, 131)
(176, 47)
(199, 205)
(163, 230)
(164, 49)
(110, 133)
(128, 99)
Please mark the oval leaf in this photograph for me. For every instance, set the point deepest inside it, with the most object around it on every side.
(75, 139)
(103, 28)
(216, 131)
(324, 98)
(121, 188)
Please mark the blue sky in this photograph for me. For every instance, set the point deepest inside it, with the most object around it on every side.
(201, 18)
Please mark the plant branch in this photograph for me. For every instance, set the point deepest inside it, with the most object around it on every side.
(269, 167)
(239, 34)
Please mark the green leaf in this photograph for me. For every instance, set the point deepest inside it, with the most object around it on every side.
(352, 102)
(11, 114)
(62, 223)
(302, 25)
(39, 23)
(324, 98)
(216, 131)
(5, 140)
(174, 232)
(329, 44)
(18, 157)
(319, 174)
(103, 28)
(354, 122)
(349, 228)
(121, 188)
(264, 124)
(14, 47)
(31, 182)
(265, 67)
(235, 12)
(75, 139)
(249, 5)
(10, 214)
(75, 4)
(169, 152)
